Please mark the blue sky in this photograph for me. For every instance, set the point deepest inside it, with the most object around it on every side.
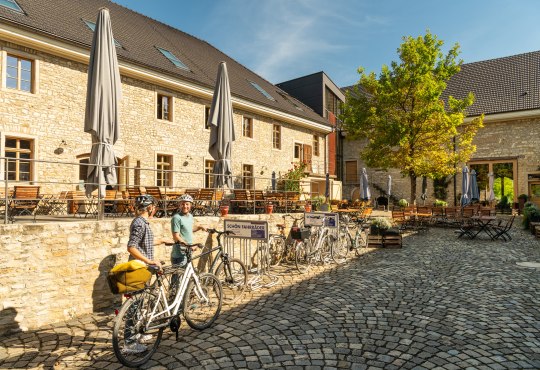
(284, 39)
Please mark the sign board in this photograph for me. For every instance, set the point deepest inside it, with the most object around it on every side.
(316, 219)
(255, 230)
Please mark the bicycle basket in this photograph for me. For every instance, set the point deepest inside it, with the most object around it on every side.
(300, 233)
(128, 277)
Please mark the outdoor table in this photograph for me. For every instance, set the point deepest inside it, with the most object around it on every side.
(483, 223)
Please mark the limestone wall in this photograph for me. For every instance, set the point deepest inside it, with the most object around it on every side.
(55, 271)
(53, 117)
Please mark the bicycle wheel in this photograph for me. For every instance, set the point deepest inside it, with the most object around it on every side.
(302, 257)
(201, 308)
(340, 248)
(360, 241)
(233, 278)
(134, 345)
(277, 250)
(325, 248)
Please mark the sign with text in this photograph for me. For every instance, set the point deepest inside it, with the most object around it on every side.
(256, 230)
(317, 218)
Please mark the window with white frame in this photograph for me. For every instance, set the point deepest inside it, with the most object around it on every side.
(20, 73)
(316, 145)
(276, 137)
(164, 107)
(20, 151)
(247, 177)
(164, 170)
(247, 127)
(209, 173)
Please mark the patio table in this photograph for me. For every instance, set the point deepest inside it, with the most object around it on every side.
(483, 223)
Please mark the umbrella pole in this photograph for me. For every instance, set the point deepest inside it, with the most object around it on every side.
(100, 214)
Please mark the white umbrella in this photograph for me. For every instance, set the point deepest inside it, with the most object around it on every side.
(102, 99)
(491, 194)
(365, 193)
(389, 186)
(221, 126)
(465, 186)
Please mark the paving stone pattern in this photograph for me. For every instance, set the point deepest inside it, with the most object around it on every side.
(438, 303)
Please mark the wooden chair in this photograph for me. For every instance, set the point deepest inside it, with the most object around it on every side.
(259, 198)
(203, 203)
(241, 200)
(399, 219)
(134, 191)
(165, 207)
(24, 201)
(80, 204)
(502, 230)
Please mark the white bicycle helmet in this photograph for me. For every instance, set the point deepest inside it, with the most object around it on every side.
(186, 198)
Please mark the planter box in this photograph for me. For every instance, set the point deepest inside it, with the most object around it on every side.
(390, 240)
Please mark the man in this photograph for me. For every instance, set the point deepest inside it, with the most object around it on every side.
(182, 228)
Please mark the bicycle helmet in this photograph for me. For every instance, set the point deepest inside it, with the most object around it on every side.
(186, 198)
(143, 201)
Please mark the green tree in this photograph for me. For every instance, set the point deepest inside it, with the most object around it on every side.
(404, 118)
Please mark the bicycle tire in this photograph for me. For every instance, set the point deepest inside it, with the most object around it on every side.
(302, 257)
(277, 250)
(325, 248)
(360, 241)
(234, 283)
(340, 248)
(131, 318)
(201, 312)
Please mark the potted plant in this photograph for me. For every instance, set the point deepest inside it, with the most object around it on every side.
(224, 207)
(307, 206)
(522, 198)
(269, 208)
(379, 225)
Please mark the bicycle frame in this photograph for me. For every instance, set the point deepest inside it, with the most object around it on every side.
(172, 309)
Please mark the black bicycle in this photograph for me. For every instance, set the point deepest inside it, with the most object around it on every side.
(231, 272)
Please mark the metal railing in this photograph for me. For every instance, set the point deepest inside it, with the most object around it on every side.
(55, 177)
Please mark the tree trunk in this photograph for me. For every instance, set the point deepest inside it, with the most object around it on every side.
(502, 186)
(413, 188)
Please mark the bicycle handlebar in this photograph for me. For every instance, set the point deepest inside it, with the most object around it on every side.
(214, 231)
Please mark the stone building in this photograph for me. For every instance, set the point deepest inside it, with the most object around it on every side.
(168, 78)
(507, 92)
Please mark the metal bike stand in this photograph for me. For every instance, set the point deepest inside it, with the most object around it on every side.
(244, 249)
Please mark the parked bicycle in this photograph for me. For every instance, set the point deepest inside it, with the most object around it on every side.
(140, 322)
(353, 235)
(231, 272)
(282, 247)
(315, 249)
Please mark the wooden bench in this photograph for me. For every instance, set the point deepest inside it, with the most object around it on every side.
(24, 201)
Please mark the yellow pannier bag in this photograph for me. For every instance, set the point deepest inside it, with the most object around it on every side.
(128, 277)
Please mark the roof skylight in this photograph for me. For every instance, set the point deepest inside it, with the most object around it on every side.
(177, 62)
(11, 4)
(286, 97)
(262, 91)
(92, 27)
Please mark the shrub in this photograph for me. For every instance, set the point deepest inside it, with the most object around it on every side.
(440, 203)
(403, 203)
(382, 223)
(531, 213)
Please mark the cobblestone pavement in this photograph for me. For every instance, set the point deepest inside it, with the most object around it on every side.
(439, 302)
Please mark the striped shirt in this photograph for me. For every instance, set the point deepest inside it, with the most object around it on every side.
(141, 237)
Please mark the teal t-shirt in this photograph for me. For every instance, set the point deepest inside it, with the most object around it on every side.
(182, 224)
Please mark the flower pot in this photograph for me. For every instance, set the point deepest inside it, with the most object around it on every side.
(224, 210)
(307, 207)
(269, 208)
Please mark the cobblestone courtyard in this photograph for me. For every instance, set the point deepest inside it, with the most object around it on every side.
(439, 302)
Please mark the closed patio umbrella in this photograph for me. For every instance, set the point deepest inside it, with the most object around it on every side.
(103, 95)
(491, 194)
(222, 129)
(465, 186)
(365, 193)
(424, 189)
(474, 193)
(389, 186)
(327, 186)
(273, 180)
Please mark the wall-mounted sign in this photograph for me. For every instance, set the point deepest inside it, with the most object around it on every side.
(317, 218)
(257, 230)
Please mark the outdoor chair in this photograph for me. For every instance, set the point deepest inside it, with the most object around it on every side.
(203, 202)
(80, 204)
(24, 201)
(165, 207)
(241, 200)
(502, 230)
(400, 220)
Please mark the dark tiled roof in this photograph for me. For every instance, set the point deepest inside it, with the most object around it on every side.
(139, 36)
(500, 85)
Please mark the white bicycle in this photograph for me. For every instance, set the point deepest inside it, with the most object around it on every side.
(140, 322)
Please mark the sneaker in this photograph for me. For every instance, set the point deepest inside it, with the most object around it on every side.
(134, 348)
